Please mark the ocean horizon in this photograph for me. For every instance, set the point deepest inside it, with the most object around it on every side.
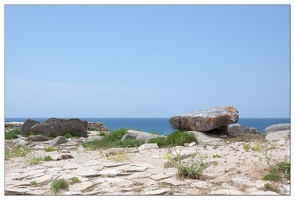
(160, 125)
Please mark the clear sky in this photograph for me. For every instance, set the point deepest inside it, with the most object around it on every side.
(146, 61)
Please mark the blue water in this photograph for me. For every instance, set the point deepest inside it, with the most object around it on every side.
(161, 125)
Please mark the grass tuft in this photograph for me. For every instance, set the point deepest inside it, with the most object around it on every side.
(59, 184)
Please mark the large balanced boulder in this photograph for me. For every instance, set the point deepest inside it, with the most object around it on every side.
(237, 129)
(277, 127)
(27, 125)
(205, 120)
(59, 127)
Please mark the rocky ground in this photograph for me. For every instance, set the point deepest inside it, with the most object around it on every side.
(145, 171)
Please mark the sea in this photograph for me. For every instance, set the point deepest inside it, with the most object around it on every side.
(161, 125)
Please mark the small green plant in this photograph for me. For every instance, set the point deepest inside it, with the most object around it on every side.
(68, 135)
(59, 184)
(12, 134)
(247, 147)
(52, 135)
(18, 151)
(193, 168)
(238, 171)
(269, 187)
(178, 138)
(215, 163)
(32, 160)
(75, 180)
(102, 134)
(216, 156)
(47, 158)
(49, 148)
(33, 184)
(257, 147)
(160, 141)
(272, 177)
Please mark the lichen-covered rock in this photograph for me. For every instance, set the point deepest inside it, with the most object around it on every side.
(277, 127)
(236, 129)
(60, 127)
(205, 120)
(26, 127)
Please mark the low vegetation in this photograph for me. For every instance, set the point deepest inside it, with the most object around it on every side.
(18, 151)
(177, 138)
(68, 135)
(192, 168)
(58, 185)
(247, 138)
(75, 180)
(113, 140)
(12, 134)
(49, 148)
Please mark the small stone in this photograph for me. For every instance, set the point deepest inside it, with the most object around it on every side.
(281, 142)
(192, 144)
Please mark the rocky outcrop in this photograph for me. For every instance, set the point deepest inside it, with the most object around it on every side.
(97, 126)
(277, 127)
(139, 135)
(205, 120)
(58, 140)
(59, 127)
(27, 125)
(278, 135)
(237, 129)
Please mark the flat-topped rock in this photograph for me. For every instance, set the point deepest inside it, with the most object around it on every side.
(205, 120)
(204, 139)
(277, 127)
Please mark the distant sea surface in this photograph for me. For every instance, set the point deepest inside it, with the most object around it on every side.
(161, 125)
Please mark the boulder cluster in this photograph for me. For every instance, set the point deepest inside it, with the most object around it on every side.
(217, 121)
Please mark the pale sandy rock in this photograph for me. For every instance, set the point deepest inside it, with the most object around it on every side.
(277, 127)
(148, 146)
(204, 139)
(15, 191)
(263, 193)
(277, 135)
(227, 192)
(281, 142)
(221, 180)
(43, 179)
(92, 163)
(192, 144)
(145, 181)
(86, 172)
(72, 166)
(158, 177)
(173, 181)
(201, 184)
(156, 192)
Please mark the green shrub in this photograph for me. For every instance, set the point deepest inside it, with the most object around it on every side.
(9, 135)
(102, 134)
(160, 141)
(178, 138)
(75, 180)
(78, 134)
(68, 135)
(49, 148)
(247, 147)
(272, 177)
(127, 143)
(192, 168)
(33, 184)
(282, 168)
(59, 184)
(47, 158)
(52, 135)
(269, 187)
(111, 140)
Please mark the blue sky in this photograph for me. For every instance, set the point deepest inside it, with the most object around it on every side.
(146, 61)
